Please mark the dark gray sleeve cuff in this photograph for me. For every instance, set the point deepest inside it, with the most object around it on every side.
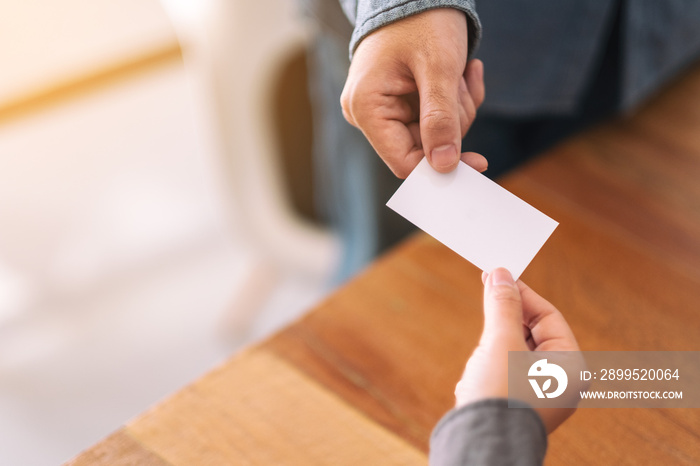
(489, 432)
(370, 15)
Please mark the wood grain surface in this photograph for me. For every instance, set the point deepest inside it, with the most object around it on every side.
(623, 266)
(255, 410)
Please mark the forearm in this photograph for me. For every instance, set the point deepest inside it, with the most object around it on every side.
(489, 432)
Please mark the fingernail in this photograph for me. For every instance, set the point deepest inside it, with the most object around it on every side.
(501, 277)
(444, 156)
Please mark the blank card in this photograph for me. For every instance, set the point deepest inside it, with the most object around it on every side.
(473, 216)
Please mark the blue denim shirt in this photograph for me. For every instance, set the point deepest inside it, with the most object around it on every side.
(369, 15)
(539, 56)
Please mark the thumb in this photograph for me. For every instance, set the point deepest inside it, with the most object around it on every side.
(503, 312)
(439, 118)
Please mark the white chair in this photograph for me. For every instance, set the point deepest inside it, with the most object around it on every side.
(233, 49)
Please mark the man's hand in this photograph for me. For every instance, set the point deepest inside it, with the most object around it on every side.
(515, 319)
(412, 93)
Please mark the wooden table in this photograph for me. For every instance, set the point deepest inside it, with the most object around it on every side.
(364, 377)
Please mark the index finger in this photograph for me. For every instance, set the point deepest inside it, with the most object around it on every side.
(389, 124)
(549, 329)
(395, 144)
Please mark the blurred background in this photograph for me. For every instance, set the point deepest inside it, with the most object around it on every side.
(156, 209)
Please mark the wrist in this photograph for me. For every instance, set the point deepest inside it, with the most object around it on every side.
(371, 17)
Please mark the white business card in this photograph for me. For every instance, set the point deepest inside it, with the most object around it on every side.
(473, 216)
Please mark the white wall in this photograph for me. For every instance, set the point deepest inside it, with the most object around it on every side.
(120, 273)
(45, 42)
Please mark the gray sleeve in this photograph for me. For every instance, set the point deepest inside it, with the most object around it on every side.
(488, 432)
(369, 15)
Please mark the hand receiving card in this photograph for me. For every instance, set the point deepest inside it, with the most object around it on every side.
(473, 216)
